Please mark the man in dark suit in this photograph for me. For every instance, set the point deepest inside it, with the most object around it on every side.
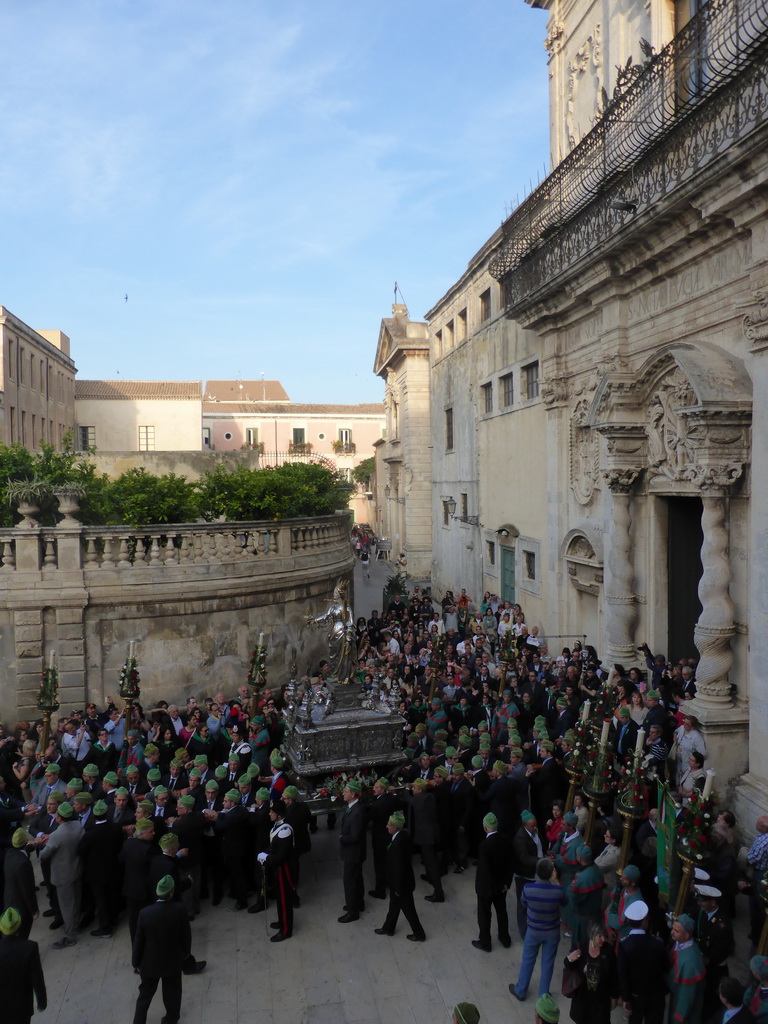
(493, 878)
(280, 865)
(21, 974)
(383, 805)
(462, 799)
(11, 816)
(626, 735)
(299, 817)
(19, 889)
(400, 880)
(353, 842)
(162, 943)
(643, 966)
(99, 849)
(231, 823)
(426, 834)
(189, 827)
(528, 847)
(731, 994)
(135, 857)
(547, 784)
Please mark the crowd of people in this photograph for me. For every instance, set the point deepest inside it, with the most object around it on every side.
(195, 803)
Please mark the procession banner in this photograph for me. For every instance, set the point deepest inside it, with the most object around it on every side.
(667, 865)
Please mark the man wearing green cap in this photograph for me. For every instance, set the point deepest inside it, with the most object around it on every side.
(231, 824)
(400, 880)
(585, 896)
(492, 881)
(19, 875)
(99, 849)
(161, 945)
(687, 974)
(135, 856)
(66, 870)
(565, 851)
(546, 1011)
(380, 808)
(21, 973)
(188, 827)
(352, 841)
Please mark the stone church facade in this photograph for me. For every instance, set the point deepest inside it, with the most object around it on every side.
(610, 395)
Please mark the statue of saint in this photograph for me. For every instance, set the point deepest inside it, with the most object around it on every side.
(342, 639)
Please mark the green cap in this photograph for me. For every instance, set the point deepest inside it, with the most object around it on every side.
(570, 818)
(397, 818)
(195, 773)
(233, 795)
(252, 771)
(154, 775)
(10, 921)
(144, 825)
(465, 741)
(451, 752)
(653, 695)
(262, 794)
(500, 767)
(83, 798)
(257, 720)
(53, 768)
(100, 809)
(179, 752)
(632, 872)
(243, 781)
(354, 786)
(187, 801)
(466, 1013)
(490, 821)
(111, 778)
(482, 727)
(159, 790)
(132, 769)
(624, 712)
(147, 806)
(168, 840)
(458, 768)
(561, 702)
(65, 809)
(516, 751)
(441, 771)
(19, 839)
(175, 763)
(150, 750)
(477, 762)
(420, 783)
(121, 791)
(383, 783)
(220, 772)
(420, 728)
(202, 759)
(91, 770)
(546, 1007)
(547, 745)
(165, 885)
(528, 816)
(212, 784)
(76, 784)
(276, 759)
(291, 792)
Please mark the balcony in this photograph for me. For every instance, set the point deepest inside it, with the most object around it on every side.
(344, 447)
(669, 119)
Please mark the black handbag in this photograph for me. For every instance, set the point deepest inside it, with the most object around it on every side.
(573, 978)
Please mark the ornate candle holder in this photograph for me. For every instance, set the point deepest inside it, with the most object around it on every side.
(631, 802)
(597, 784)
(693, 827)
(257, 672)
(48, 699)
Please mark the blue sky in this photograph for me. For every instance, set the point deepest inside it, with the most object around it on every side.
(256, 175)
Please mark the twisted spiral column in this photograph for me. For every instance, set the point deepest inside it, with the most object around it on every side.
(620, 601)
(715, 628)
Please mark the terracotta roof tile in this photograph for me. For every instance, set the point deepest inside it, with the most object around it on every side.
(178, 390)
(245, 391)
(295, 409)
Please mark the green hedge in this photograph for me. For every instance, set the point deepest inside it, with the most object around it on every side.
(138, 498)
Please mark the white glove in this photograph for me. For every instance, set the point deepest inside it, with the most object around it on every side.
(261, 858)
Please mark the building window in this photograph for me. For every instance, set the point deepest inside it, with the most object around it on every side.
(490, 552)
(146, 439)
(485, 306)
(11, 359)
(206, 437)
(529, 559)
(487, 390)
(21, 366)
(529, 565)
(438, 344)
(299, 435)
(86, 438)
(531, 380)
(345, 435)
(23, 435)
(446, 514)
(449, 337)
(228, 436)
(449, 429)
(461, 325)
(507, 390)
(252, 436)
(464, 505)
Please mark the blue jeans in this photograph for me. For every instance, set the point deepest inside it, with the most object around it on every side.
(549, 941)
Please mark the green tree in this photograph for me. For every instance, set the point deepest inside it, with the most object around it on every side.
(139, 498)
(361, 474)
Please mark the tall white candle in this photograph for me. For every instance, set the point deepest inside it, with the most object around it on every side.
(585, 711)
(640, 741)
(708, 784)
(50, 662)
(131, 646)
(261, 639)
(604, 735)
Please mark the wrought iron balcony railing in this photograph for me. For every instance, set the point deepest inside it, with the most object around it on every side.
(709, 82)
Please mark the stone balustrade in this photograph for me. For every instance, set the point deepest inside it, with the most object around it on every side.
(192, 596)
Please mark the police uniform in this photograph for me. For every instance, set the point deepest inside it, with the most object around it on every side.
(280, 862)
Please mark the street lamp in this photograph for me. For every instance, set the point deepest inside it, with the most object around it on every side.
(450, 507)
(388, 495)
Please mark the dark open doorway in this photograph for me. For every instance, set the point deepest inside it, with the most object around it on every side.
(684, 565)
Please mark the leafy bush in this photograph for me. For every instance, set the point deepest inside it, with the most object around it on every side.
(361, 474)
(293, 489)
(139, 498)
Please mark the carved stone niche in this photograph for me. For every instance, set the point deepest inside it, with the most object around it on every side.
(584, 565)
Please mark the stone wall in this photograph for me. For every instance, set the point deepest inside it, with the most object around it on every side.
(194, 602)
